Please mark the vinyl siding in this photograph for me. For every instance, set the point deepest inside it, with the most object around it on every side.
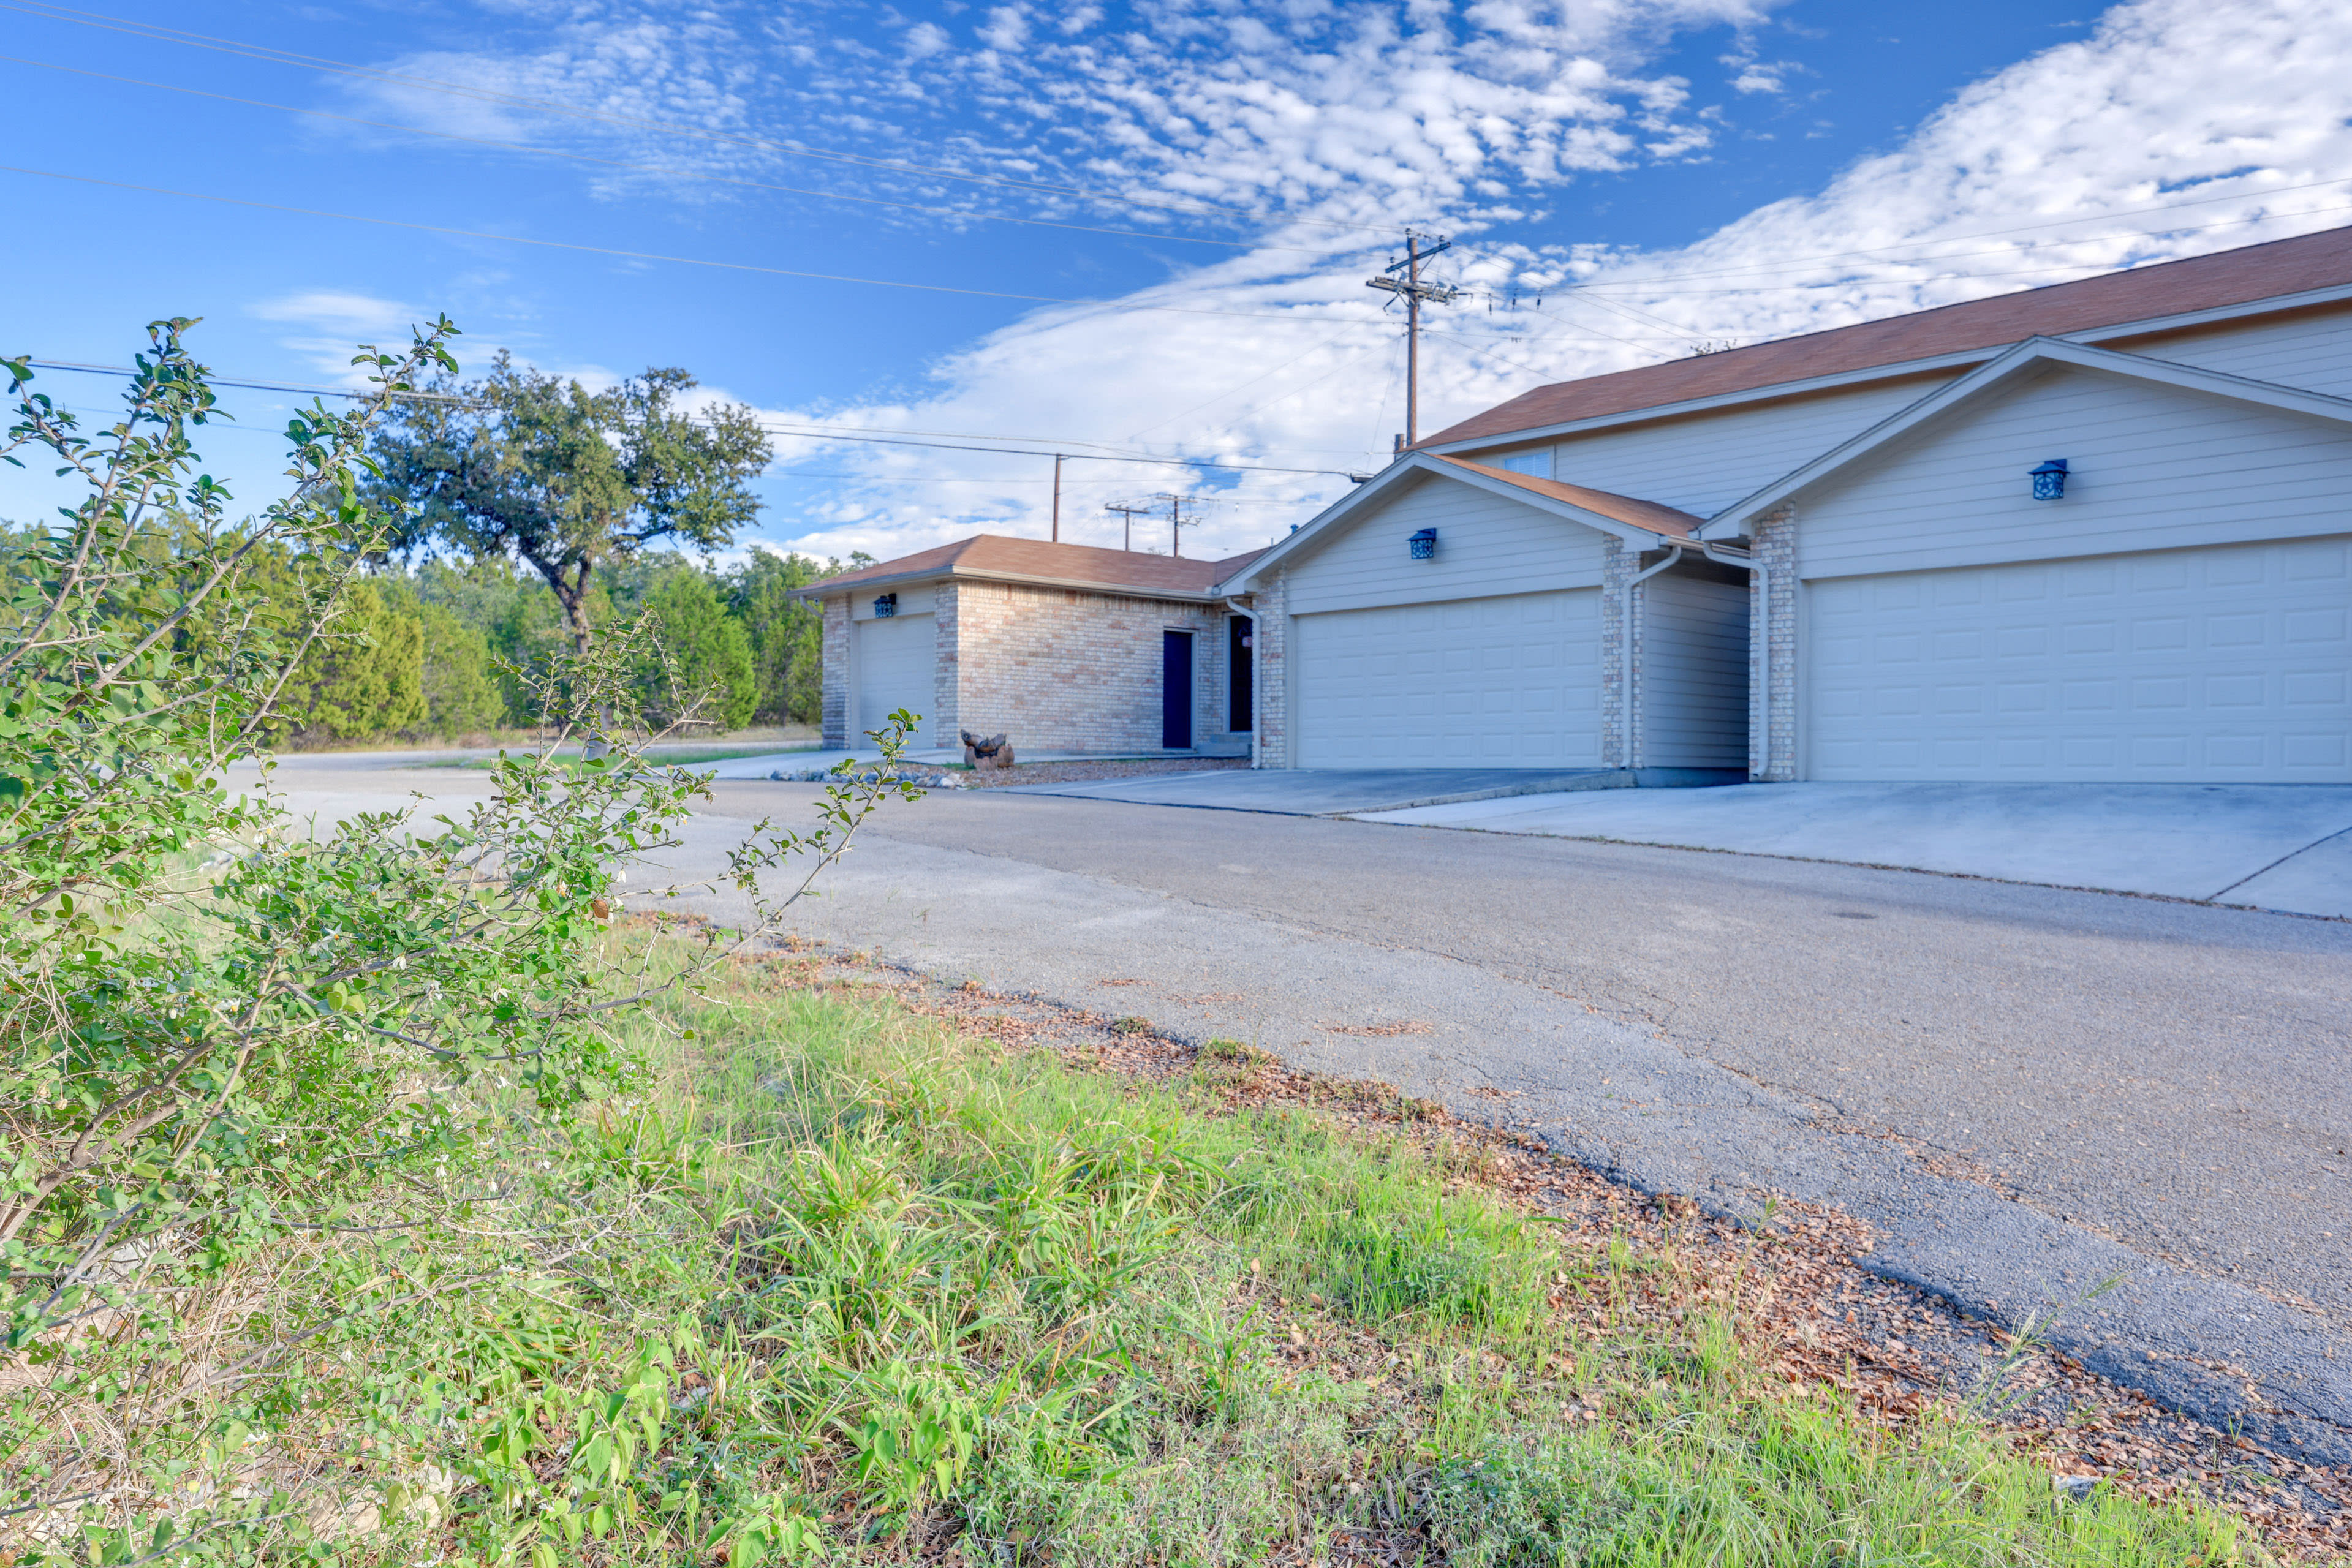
(1693, 673)
(2311, 351)
(1486, 545)
(2155, 468)
(1703, 463)
(916, 600)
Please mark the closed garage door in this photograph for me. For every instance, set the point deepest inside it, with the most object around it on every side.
(894, 671)
(2200, 665)
(1490, 682)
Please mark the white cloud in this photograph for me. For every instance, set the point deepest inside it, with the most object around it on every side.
(336, 321)
(1330, 126)
(2080, 139)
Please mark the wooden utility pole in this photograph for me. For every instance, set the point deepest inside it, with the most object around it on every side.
(1413, 292)
(1176, 505)
(1127, 541)
(1058, 497)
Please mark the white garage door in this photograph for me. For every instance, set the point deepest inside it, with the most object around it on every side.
(894, 671)
(2222, 664)
(1490, 682)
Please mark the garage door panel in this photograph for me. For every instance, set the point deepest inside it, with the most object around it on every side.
(1511, 682)
(893, 659)
(2228, 664)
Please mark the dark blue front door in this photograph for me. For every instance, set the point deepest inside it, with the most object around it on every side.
(1176, 690)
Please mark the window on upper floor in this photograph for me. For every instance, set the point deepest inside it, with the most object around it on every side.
(1536, 461)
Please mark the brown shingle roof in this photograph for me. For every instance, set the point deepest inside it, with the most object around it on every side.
(1640, 514)
(2238, 277)
(998, 557)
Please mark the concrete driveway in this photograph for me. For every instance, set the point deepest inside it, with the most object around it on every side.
(2266, 846)
(1327, 791)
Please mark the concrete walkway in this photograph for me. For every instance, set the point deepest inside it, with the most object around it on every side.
(1328, 793)
(2266, 846)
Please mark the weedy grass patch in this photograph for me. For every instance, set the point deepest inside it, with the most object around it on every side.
(835, 1284)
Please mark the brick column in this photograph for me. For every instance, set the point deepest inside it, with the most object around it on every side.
(834, 667)
(1271, 643)
(942, 722)
(1772, 655)
(1617, 565)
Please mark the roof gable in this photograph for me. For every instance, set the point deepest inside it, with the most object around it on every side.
(2281, 270)
(2034, 352)
(1641, 522)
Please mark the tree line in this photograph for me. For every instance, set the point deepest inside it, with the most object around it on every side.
(441, 650)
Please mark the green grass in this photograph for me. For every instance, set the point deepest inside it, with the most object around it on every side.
(842, 1286)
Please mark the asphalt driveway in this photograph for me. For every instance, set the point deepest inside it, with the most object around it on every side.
(2026, 1089)
(2029, 1090)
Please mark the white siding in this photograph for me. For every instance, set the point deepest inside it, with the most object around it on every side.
(2154, 467)
(1702, 463)
(2313, 351)
(1693, 673)
(1484, 683)
(1487, 544)
(916, 600)
(2229, 664)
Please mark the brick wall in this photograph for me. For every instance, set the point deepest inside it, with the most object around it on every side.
(1772, 737)
(1618, 739)
(836, 708)
(1273, 651)
(1069, 670)
(942, 723)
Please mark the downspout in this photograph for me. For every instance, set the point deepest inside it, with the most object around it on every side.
(1729, 556)
(1257, 709)
(1625, 652)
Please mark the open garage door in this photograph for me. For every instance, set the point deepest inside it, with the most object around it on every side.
(2224, 665)
(1512, 681)
(894, 660)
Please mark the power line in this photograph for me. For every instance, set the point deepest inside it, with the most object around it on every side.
(659, 169)
(270, 54)
(820, 433)
(1126, 516)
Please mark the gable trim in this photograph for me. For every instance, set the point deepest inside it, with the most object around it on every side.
(1335, 516)
(1727, 523)
(2276, 305)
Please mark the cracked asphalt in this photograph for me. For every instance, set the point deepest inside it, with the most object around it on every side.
(2030, 1092)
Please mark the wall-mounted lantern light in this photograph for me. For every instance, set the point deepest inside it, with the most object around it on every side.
(1424, 545)
(2049, 480)
(886, 605)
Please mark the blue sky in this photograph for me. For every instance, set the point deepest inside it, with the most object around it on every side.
(1161, 215)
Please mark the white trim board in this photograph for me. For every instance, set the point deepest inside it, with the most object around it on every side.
(1729, 522)
(2276, 305)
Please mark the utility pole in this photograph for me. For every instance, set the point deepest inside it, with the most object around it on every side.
(1176, 505)
(1413, 292)
(1058, 497)
(1127, 542)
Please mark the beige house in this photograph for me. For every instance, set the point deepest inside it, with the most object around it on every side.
(1064, 648)
(2096, 532)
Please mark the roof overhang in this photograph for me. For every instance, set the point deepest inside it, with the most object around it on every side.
(2032, 353)
(1418, 465)
(1958, 360)
(834, 589)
